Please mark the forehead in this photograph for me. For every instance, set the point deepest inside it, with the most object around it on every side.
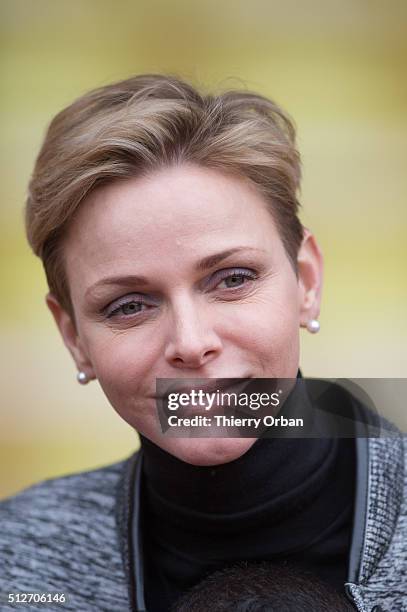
(174, 213)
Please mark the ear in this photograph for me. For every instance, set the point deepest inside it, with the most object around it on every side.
(70, 336)
(310, 276)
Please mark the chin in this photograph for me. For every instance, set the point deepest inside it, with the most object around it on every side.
(207, 451)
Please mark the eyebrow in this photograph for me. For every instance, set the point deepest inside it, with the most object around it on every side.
(213, 260)
(201, 266)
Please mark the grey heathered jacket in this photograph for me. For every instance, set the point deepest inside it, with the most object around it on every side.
(76, 535)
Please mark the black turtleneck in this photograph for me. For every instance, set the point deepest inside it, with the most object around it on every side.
(283, 500)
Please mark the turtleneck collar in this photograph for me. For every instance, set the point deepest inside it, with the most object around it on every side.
(272, 470)
(284, 498)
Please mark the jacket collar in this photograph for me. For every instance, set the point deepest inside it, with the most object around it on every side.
(379, 494)
(128, 498)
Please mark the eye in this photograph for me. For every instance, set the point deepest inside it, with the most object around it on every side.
(234, 279)
(126, 307)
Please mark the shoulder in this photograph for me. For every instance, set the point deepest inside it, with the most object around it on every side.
(66, 498)
(61, 535)
(385, 542)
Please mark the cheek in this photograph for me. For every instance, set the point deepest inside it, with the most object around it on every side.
(268, 331)
(122, 362)
(274, 340)
(124, 373)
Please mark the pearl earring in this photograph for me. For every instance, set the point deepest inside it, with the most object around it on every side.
(82, 378)
(313, 326)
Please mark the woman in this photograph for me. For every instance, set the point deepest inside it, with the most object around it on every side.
(167, 225)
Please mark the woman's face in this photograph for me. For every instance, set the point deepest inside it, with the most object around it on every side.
(182, 274)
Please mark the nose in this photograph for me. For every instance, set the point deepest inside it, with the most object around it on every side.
(193, 342)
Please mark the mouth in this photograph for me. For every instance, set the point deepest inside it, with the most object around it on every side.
(196, 385)
(194, 397)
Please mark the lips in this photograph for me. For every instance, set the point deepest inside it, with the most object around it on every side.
(205, 385)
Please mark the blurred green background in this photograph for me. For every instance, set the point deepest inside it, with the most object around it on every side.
(338, 66)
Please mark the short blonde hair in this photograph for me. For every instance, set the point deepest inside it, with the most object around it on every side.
(128, 129)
